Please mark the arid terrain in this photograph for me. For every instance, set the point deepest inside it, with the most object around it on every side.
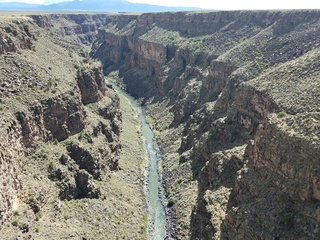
(233, 99)
(66, 171)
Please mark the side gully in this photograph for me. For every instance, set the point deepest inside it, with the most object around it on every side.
(153, 183)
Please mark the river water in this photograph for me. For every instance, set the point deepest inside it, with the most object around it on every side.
(157, 219)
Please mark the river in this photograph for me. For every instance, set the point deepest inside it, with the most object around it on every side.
(157, 219)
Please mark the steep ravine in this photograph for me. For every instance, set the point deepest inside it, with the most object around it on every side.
(235, 102)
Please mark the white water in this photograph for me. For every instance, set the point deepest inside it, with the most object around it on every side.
(157, 219)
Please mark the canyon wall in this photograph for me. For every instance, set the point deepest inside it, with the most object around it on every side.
(45, 99)
(235, 102)
(233, 98)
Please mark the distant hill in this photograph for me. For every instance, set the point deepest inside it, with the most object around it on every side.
(17, 6)
(93, 5)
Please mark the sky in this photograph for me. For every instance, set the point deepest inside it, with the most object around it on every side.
(216, 4)
(36, 1)
(238, 4)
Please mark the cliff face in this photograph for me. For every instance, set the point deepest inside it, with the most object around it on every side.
(46, 102)
(84, 26)
(16, 36)
(235, 99)
(92, 84)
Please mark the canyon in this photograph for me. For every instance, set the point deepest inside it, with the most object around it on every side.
(233, 100)
(62, 174)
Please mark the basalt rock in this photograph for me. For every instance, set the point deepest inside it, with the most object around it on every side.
(240, 91)
(39, 107)
(17, 35)
(12, 158)
(92, 84)
(84, 26)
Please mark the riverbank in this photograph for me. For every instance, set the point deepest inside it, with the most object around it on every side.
(156, 228)
(130, 178)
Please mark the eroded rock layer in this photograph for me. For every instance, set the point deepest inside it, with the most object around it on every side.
(52, 96)
(235, 98)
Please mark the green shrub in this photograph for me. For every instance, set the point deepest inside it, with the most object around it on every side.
(150, 120)
(15, 222)
(171, 201)
(66, 216)
(50, 82)
(30, 197)
(143, 227)
(16, 213)
(81, 135)
(180, 180)
(288, 218)
(168, 191)
(282, 114)
(52, 166)
(38, 215)
(191, 177)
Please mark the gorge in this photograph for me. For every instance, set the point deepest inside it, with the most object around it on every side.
(156, 228)
(233, 99)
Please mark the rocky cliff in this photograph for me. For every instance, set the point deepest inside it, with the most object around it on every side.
(235, 98)
(60, 129)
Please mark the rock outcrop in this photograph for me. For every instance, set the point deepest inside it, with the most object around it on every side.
(35, 111)
(91, 83)
(235, 99)
(17, 35)
(84, 26)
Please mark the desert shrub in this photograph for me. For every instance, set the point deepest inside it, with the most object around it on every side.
(150, 120)
(282, 114)
(288, 219)
(52, 166)
(180, 180)
(38, 215)
(81, 135)
(16, 213)
(191, 177)
(171, 201)
(66, 216)
(15, 222)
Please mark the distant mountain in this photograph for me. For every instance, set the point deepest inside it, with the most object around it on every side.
(17, 6)
(93, 5)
